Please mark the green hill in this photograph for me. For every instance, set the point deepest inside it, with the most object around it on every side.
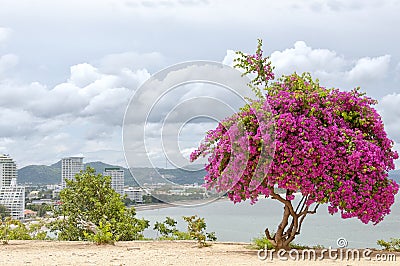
(39, 174)
(43, 174)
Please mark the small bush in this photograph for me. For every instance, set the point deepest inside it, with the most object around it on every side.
(179, 235)
(167, 230)
(392, 245)
(13, 230)
(38, 230)
(211, 236)
(16, 230)
(102, 235)
(196, 229)
(261, 242)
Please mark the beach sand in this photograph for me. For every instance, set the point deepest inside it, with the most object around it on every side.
(146, 253)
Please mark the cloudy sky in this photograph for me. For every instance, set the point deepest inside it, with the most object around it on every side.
(69, 68)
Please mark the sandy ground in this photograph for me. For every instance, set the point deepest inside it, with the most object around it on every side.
(147, 253)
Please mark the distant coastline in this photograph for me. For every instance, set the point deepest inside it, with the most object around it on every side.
(185, 203)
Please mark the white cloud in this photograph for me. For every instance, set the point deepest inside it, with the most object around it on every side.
(388, 108)
(303, 58)
(369, 69)
(397, 72)
(109, 106)
(390, 104)
(63, 99)
(4, 34)
(15, 122)
(171, 104)
(390, 111)
(332, 69)
(343, 5)
(83, 75)
(112, 63)
(82, 115)
(7, 62)
(87, 93)
(153, 4)
(229, 58)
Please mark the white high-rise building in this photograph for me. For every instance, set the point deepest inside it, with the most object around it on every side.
(12, 196)
(135, 194)
(117, 179)
(8, 170)
(70, 166)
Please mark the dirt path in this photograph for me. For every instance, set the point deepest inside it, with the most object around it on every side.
(145, 253)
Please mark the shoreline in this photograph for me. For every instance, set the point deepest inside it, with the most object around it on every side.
(184, 204)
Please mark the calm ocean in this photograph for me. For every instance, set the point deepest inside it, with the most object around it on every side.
(242, 222)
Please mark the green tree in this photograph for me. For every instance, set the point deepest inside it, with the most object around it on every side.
(91, 209)
(3, 212)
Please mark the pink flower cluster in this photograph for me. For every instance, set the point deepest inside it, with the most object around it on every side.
(327, 144)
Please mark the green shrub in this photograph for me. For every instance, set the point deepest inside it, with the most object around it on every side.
(16, 230)
(178, 235)
(102, 235)
(13, 230)
(261, 242)
(211, 236)
(167, 230)
(196, 229)
(392, 245)
(37, 230)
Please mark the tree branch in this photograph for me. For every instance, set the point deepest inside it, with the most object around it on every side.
(298, 205)
(293, 232)
(304, 216)
(277, 196)
(286, 234)
(269, 237)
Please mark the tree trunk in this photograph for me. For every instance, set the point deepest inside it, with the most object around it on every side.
(286, 233)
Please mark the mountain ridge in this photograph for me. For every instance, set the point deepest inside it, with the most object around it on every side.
(51, 174)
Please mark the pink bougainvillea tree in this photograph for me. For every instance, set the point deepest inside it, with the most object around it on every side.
(328, 145)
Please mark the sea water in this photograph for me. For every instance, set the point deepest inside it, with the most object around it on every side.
(242, 222)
